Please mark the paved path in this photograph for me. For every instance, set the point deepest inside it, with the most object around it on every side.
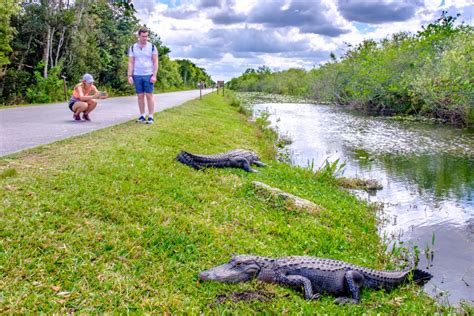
(31, 126)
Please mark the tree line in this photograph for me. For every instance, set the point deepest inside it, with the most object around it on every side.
(47, 43)
(429, 73)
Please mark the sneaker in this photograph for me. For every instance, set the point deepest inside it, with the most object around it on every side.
(86, 117)
(150, 120)
(141, 119)
(76, 117)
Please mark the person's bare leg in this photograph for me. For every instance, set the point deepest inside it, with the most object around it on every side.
(150, 99)
(141, 103)
(79, 107)
(91, 105)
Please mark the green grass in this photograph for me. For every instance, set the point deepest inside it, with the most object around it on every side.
(110, 222)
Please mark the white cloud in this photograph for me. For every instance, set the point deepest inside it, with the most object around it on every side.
(226, 37)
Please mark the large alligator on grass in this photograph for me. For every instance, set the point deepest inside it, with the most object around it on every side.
(238, 158)
(315, 275)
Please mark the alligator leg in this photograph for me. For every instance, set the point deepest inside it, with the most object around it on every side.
(242, 162)
(298, 280)
(354, 281)
(259, 163)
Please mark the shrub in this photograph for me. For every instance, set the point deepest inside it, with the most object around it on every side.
(47, 89)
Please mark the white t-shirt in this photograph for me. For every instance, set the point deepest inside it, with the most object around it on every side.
(143, 65)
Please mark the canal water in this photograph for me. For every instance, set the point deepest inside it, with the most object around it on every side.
(427, 173)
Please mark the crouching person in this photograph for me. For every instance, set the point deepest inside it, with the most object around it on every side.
(84, 97)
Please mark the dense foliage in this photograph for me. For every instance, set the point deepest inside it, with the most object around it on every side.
(429, 73)
(43, 42)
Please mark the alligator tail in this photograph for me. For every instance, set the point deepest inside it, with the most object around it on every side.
(187, 159)
(420, 276)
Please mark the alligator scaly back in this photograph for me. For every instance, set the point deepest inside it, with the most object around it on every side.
(238, 158)
(315, 275)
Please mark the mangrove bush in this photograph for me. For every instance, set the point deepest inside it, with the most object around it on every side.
(429, 73)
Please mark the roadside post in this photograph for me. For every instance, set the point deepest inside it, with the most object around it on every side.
(201, 85)
(65, 87)
(220, 83)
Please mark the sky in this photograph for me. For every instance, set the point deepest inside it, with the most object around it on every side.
(226, 37)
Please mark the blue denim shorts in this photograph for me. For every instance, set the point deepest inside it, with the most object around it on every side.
(71, 103)
(143, 84)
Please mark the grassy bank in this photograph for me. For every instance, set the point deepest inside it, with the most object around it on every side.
(110, 222)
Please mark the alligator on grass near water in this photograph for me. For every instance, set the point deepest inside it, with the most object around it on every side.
(315, 275)
(238, 158)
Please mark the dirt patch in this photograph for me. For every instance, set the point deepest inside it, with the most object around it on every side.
(244, 296)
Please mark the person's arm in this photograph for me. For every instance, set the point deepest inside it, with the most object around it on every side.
(131, 62)
(154, 58)
(96, 92)
(83, 97)
(94, 89)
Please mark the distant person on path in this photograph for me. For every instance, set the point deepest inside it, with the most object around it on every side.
(81, 100)
(142, 69)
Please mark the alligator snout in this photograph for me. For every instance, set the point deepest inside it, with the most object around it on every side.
(203, 276)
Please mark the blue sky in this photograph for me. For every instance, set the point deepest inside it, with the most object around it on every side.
(364, 28)
(170, 3)
(228, 36)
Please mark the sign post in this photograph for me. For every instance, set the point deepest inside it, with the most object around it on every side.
(65, 87)
(220, 83)
(201, 85)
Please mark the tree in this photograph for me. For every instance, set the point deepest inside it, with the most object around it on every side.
(7, 10)
(192, 74)
(56, 38)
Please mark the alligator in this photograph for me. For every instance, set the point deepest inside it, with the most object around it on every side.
(315, 275)
(238, 158)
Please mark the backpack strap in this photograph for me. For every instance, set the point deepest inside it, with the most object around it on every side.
(152, 48)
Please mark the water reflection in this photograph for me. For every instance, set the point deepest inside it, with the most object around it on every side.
(442, 175)
(426, 171)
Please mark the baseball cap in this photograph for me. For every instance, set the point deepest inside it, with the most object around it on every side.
(88, 78)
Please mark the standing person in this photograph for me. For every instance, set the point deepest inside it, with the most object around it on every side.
(142, 69)
(81, 100)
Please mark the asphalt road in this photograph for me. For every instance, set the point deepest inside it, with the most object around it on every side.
(30, 126)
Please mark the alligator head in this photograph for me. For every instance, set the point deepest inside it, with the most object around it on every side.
(240, 268)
